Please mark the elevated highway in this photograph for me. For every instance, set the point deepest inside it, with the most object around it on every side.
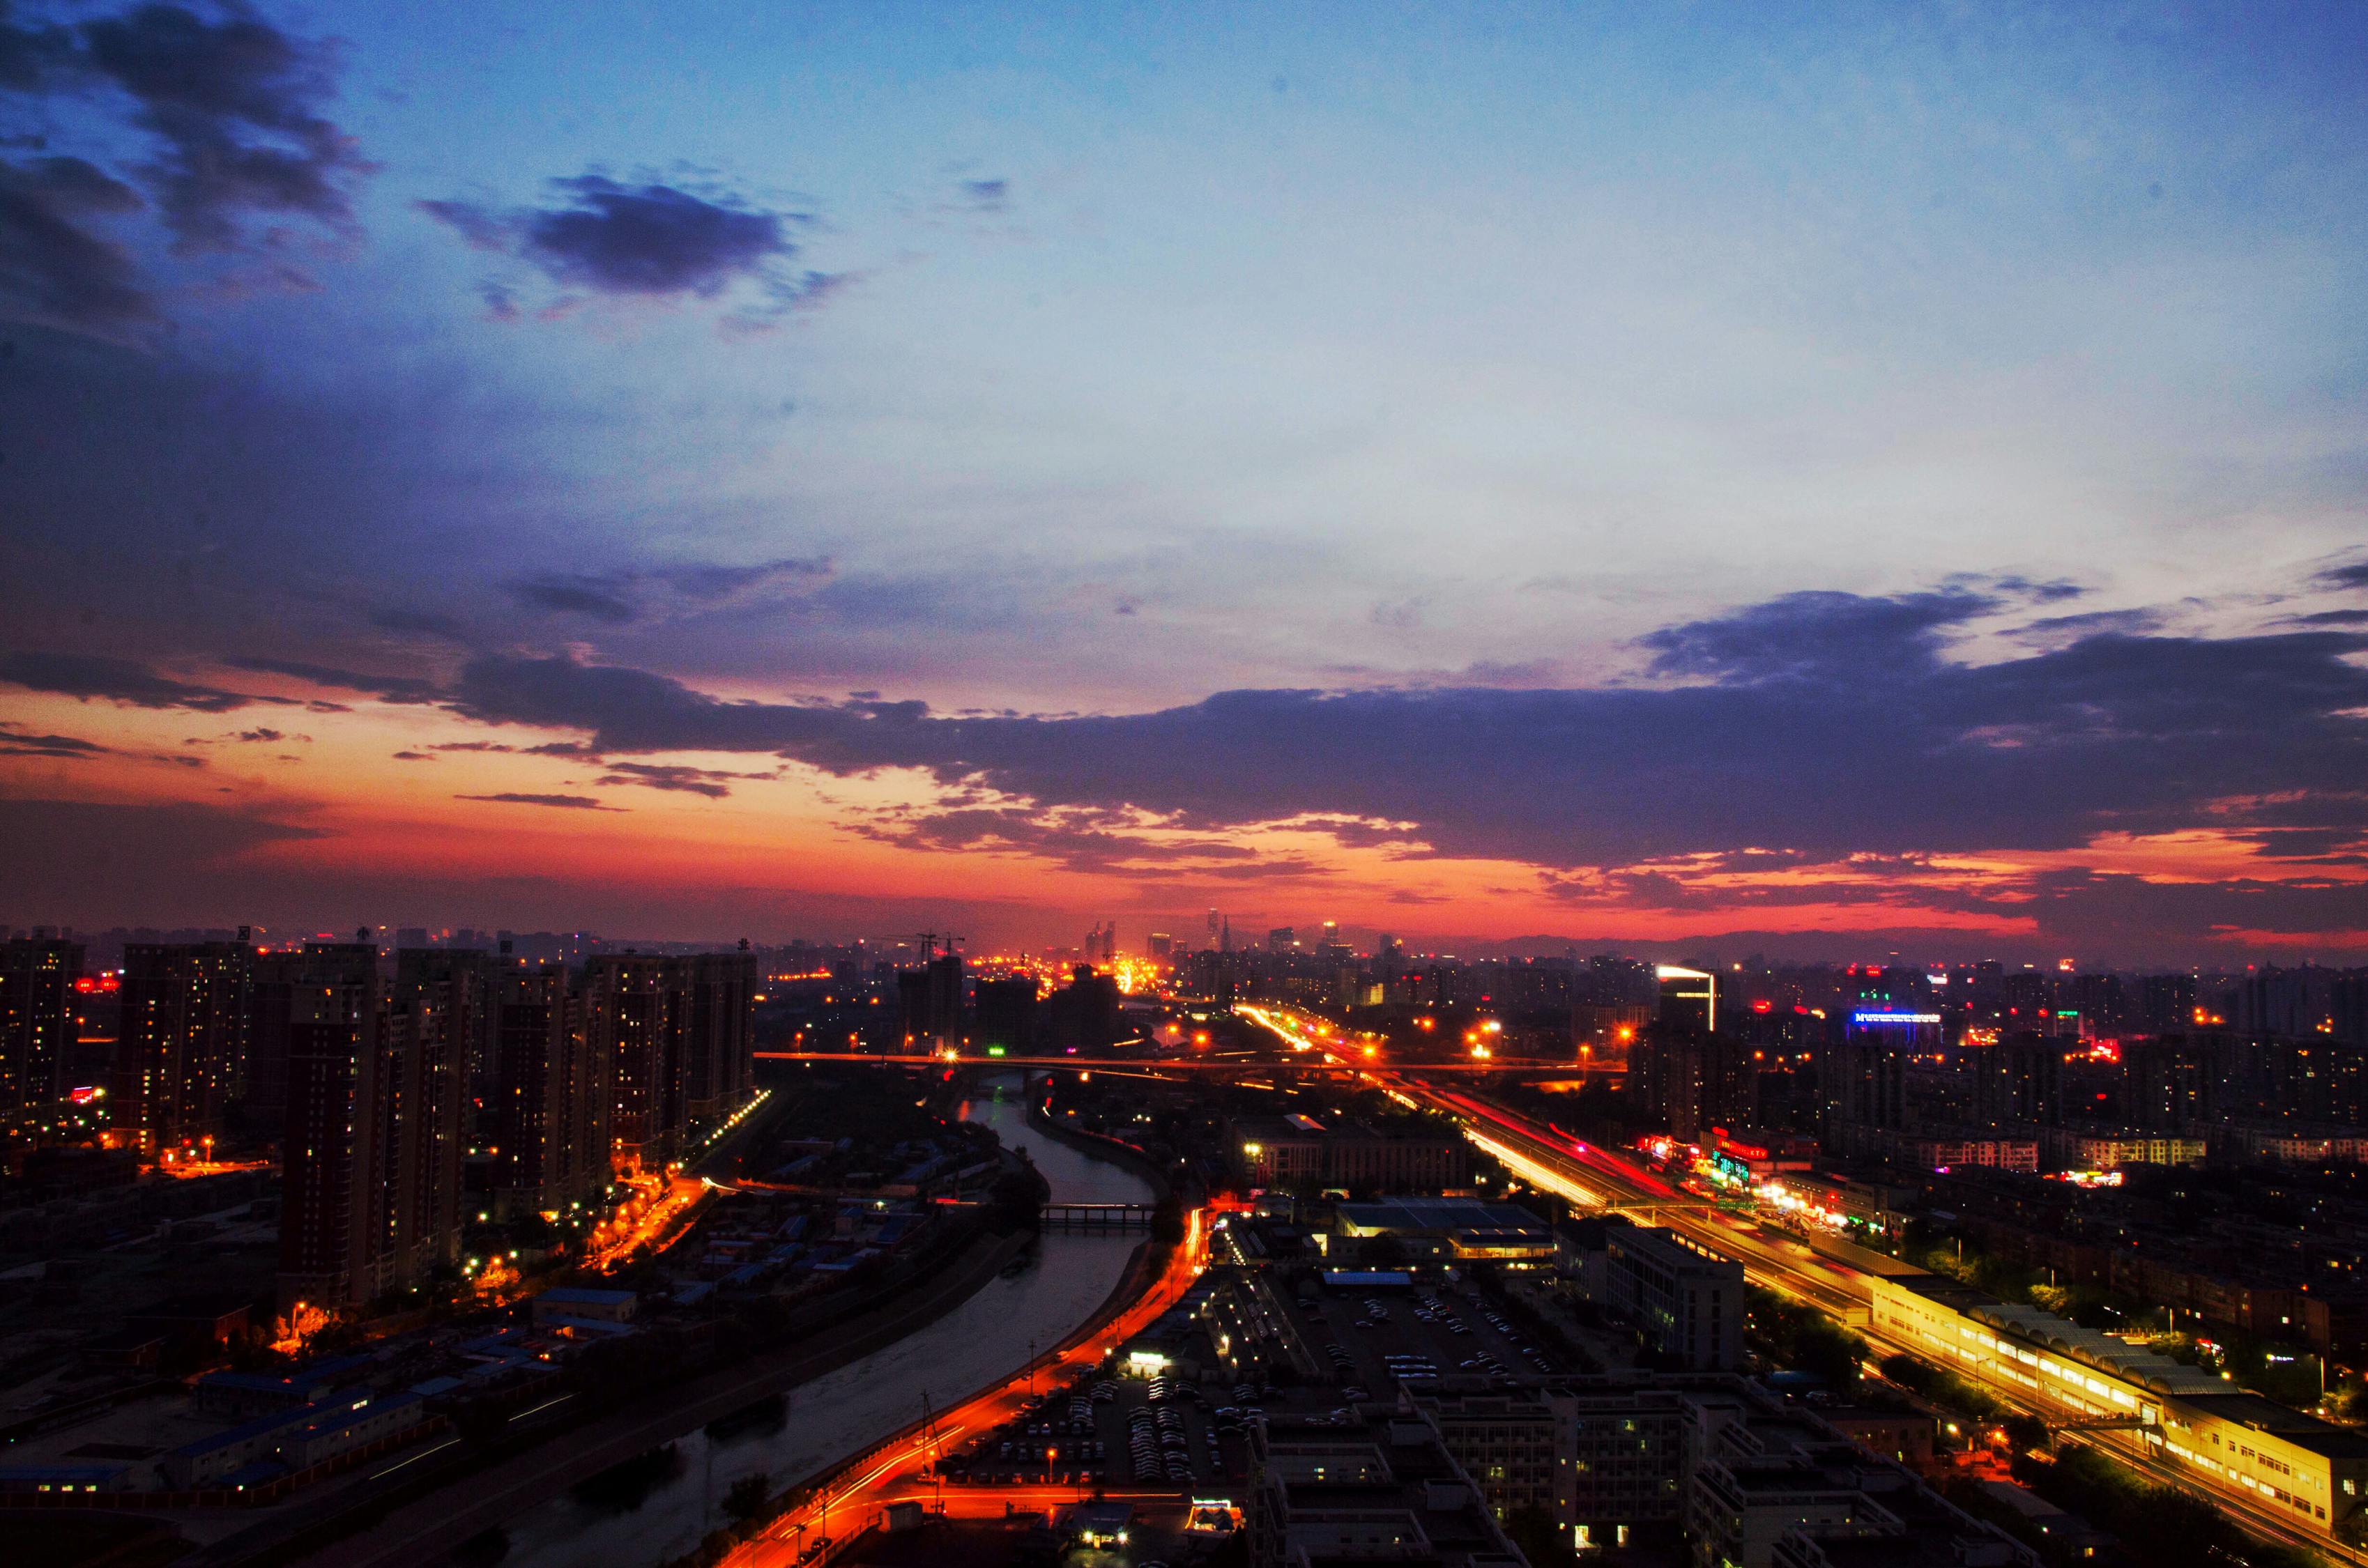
(1233, 1066)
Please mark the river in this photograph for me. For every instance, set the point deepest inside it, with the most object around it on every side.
(984, 1338)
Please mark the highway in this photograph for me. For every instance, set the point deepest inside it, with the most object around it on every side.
(1597, 1179)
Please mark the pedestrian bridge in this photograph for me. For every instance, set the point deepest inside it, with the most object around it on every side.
(1097, 1216)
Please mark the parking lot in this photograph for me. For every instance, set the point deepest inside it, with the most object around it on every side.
(1373, 1340)
(1167, 1435)
(1158, 1434)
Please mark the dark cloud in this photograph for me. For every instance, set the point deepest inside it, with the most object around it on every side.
(88, 676)
(714, 783)
(2057, 631)
(985, 195)
(391, 689)
(413, 756)
(15, 742)
(2051, 592)
(2331, 617)
(236, 104)
(712, 582)
(399, 619)
(571, 802)
(592, 597)
(30, 56)
(260, 734)
(618, 598)
(230, 106)
(1830, 725)
(2354, 576)
(53, 268)
(1812, 636)
(643, 240)
(1104, 842)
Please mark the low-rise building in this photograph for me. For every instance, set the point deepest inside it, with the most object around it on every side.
(2109, 1149)
(271, 1446)
(1301, 1151)
(1381, 1488)
(1686, 1301)
(1466, 1229)
(585, 1304)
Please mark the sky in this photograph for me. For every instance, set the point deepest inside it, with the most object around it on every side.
(1825, 480)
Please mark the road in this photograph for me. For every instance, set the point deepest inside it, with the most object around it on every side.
(656, 1219)
(900, 1469)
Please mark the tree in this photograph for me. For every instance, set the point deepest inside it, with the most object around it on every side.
(1541, 1540)
(748, 1497)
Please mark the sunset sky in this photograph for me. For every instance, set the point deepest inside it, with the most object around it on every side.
(1832, 482)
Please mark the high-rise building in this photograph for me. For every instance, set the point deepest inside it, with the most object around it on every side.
(371, 1198)
(914, 1020)
(1007, 1014)
(2019, 1082)
(331, 1187)
(1689, 998)
(1282, 939)
(631, 1007)
(438, 1021)
(181, 1054)
(1083, 1015)
(2172, 1082)
(719, 1022)
(2167, 1003)
(2347, 1006)
(1686, 1081)
(1862, 1081)
(37, 1018)
(676, 1035)
(547, 1123)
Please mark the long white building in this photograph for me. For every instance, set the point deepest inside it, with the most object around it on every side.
(2316, 1472)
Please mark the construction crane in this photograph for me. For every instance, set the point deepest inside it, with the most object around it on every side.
(928, 940)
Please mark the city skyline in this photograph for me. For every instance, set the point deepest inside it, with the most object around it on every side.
(1824, 486)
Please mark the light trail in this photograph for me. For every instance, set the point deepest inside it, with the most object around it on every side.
(890, 1476)
(1825, 1287)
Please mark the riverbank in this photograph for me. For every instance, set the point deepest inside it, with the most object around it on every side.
(1135, 1299)
(1126, 1157)
(426, 1521)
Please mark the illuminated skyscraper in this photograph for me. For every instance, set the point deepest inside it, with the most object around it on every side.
(37, 1018)
(1689, 998)
(632, 1006)
(331, 1189)
(182, 1048)
(548, 1125)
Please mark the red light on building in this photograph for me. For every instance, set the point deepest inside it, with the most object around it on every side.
(1763, 1006)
